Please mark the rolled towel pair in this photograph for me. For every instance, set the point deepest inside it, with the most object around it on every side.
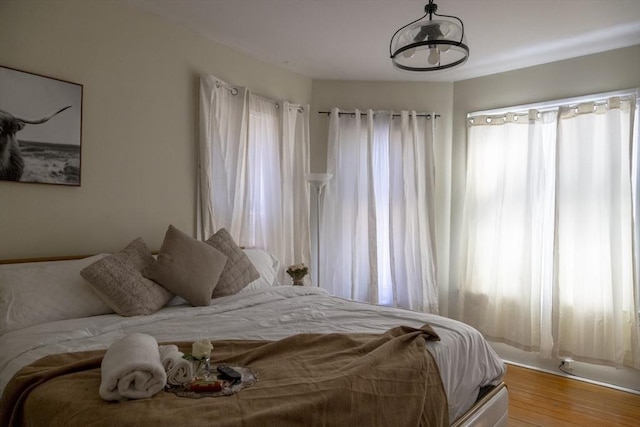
(132, 369)
(178, 370)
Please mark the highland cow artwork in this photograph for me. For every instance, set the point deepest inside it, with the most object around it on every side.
(40, 128)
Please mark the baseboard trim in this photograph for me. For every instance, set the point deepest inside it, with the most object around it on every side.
(573, 377)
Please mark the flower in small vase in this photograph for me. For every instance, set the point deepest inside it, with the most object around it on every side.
(201, 349)
(297, 273)
(201, 354)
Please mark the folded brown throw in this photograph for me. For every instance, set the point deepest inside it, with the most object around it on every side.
(307, 379)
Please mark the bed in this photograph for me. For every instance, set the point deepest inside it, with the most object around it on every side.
(72, 318)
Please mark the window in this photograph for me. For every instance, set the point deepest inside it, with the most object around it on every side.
(378, 221)
(548, 229)
(254, 156)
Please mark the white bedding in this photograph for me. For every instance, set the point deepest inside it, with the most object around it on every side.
(465, 360)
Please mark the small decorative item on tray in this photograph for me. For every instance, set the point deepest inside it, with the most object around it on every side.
(220, 380)
(211, 380)
(206, 385)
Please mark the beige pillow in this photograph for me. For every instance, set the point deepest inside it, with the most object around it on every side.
(187, 267)
(239, 270)
(117, 280)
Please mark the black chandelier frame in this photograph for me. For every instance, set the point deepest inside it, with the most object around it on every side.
(430, 10)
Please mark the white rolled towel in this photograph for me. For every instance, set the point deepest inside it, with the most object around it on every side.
(178, 370)
(131, 369)
(169, 356)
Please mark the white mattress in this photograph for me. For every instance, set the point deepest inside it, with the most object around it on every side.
(465, 360)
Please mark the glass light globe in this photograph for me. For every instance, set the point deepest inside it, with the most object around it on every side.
(409, 53)
(434, 56)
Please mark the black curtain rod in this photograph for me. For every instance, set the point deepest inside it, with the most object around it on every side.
(328, 113)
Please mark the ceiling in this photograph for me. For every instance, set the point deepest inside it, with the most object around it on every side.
(349, 39)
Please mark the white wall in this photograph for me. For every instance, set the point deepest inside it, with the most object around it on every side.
(140, 76)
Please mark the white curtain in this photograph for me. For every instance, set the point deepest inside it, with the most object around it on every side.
(508, 220)
(222, 159)
(594, 243)
(295, 166)
(254, 155)
(548, 231)
(377, 221)
(261, 213)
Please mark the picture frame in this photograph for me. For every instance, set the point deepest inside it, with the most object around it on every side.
(40, 128)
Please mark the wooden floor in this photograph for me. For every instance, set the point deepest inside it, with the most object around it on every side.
(541, 399)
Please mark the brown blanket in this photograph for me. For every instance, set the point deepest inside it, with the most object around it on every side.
(304, 380)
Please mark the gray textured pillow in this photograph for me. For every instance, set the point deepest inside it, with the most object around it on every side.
(187, 267)
(238, 272)
(118, 281)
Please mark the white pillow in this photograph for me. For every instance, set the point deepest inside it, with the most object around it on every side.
(267, 265)
(39, 292)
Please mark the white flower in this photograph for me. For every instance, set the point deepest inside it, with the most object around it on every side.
(296, 267)
(201, 349)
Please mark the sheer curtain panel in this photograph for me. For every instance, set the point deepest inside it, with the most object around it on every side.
(378, 214)
(508, 222)
(254, 155)
(594, 241)
(295, 165)
(223, 150)
(261, 213)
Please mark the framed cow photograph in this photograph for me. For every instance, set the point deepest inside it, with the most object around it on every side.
(40, 128)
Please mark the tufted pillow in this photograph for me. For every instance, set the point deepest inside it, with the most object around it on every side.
(187, 267)
(238, 272)
(118, 280)
(39, 292)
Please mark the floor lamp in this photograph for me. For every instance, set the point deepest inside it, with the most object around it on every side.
(318, 181)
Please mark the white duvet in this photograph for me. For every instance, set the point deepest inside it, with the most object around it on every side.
(465, 360)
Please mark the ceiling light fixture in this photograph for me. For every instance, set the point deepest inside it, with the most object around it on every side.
(429, 44)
